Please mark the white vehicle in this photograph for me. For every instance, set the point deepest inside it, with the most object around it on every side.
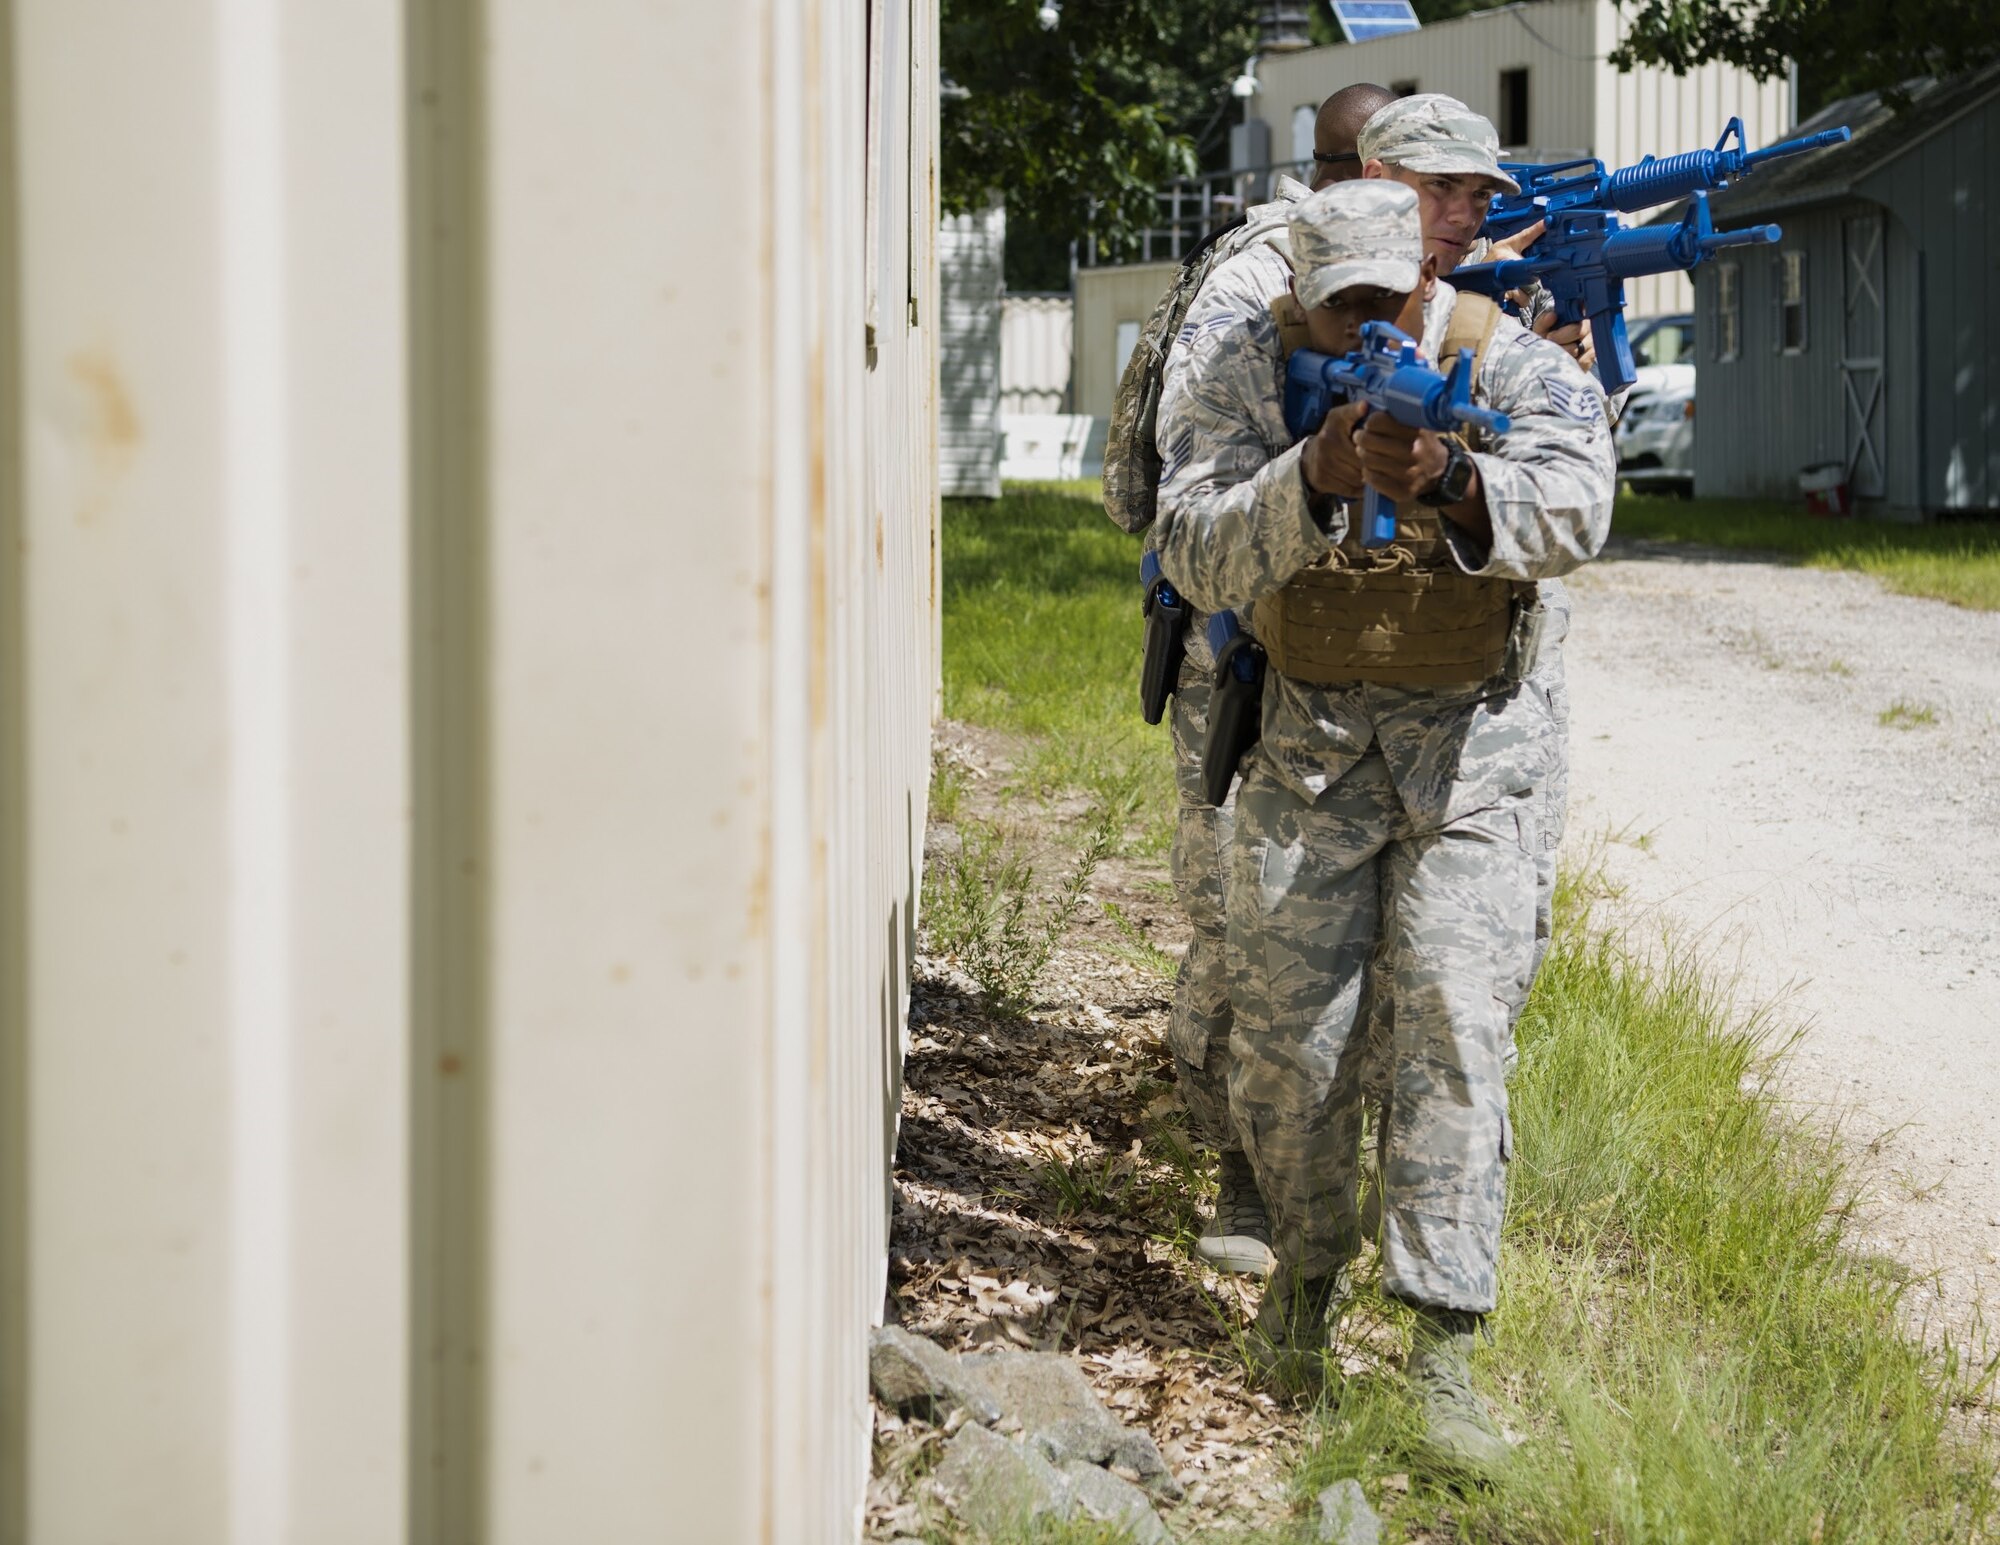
(1655, 434)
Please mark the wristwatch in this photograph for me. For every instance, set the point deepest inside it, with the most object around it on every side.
(1454, 482)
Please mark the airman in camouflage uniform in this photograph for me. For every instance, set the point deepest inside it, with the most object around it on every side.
(1374, 810)
(1238, 1236)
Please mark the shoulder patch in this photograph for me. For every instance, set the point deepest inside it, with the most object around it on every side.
(1573, 398)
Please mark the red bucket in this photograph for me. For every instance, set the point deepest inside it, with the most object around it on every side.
(1826, 490)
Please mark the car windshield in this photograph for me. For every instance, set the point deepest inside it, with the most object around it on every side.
(1667, 343)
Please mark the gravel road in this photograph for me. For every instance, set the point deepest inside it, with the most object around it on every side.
(1730, 753)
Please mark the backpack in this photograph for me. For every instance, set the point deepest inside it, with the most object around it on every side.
(1131, 449)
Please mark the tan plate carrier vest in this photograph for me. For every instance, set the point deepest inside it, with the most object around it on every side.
(1404, 615)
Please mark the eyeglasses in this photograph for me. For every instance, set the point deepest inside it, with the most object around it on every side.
(1328, 158)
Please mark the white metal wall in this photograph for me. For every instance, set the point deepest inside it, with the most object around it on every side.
(1578, 104)
(1555, 41)
(467, 648)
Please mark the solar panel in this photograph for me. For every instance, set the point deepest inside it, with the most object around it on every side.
(1361, 20)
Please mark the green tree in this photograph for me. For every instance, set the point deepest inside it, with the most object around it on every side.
(1842, 46)
(1118, 98)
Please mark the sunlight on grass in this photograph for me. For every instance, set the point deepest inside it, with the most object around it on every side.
(1041, 637)
(1955, 561)
(1689, 1344)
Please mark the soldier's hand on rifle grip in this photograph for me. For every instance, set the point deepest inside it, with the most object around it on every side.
(1399, 461)
(1574, 337)
(1517, 245)
(1332, 465)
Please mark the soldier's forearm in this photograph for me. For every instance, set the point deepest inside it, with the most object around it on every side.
(1470, 514)
(1542, 520)
(1228, 546)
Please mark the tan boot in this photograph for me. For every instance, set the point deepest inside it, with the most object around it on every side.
(1295, 1326)
(1238, 1237)
(1460, 1434)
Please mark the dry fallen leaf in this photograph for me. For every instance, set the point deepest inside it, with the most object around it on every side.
(986, 1249)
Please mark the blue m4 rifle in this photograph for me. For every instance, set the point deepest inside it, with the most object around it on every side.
(1563, 185)
(1389, 375)
(1585, 257)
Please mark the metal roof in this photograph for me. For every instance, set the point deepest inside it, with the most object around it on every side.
(1880, 137)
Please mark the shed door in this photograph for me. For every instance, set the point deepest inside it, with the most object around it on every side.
(1863, 344)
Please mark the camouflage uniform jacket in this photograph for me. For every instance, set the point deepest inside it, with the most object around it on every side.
(1234, 527)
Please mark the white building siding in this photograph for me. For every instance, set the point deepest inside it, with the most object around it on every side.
(463, 746)
(970, 250)
(1578, 104)
(1462, 58)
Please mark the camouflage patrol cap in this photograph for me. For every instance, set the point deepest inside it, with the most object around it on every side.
(1361, 232)
(1434, 133)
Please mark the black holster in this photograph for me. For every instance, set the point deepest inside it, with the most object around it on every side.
(1166, 645)
(1235, 715)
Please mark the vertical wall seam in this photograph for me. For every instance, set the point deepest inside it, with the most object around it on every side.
(15, 1373)
(450, 1078)
(250, 150)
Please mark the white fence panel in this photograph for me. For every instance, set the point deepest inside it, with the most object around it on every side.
(970, 250)
(1035, 353)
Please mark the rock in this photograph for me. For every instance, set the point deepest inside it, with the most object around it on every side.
(998, 1487)
(911, 1371)
(1103, 1496)
(1060, 1414)
(1345, 1518)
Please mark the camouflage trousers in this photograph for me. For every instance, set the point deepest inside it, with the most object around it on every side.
(1313, 886)
(1199, 1024)
(1549, 806)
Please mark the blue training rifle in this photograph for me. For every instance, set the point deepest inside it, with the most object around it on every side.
(1584, 259)
(1585, 256)
(1387, 374)
(1557, 186)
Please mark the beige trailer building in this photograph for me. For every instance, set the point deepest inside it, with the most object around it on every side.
(467, 651)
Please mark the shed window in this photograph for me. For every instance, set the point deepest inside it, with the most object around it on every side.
(1788, 303)
(1725, 338)
(1514, 109)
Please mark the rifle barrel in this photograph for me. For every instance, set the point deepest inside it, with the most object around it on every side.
(1793, 147)
(1748, 236)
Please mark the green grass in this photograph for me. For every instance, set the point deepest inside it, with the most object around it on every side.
(1955, 561)
(1688, 1341)
(1041, 637)
(1901, 715)
(1690, 1346)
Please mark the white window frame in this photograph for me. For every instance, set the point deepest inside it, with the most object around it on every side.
(1726, 334)
(1788, 300)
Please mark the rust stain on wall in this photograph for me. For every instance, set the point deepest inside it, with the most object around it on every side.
(111, 431)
